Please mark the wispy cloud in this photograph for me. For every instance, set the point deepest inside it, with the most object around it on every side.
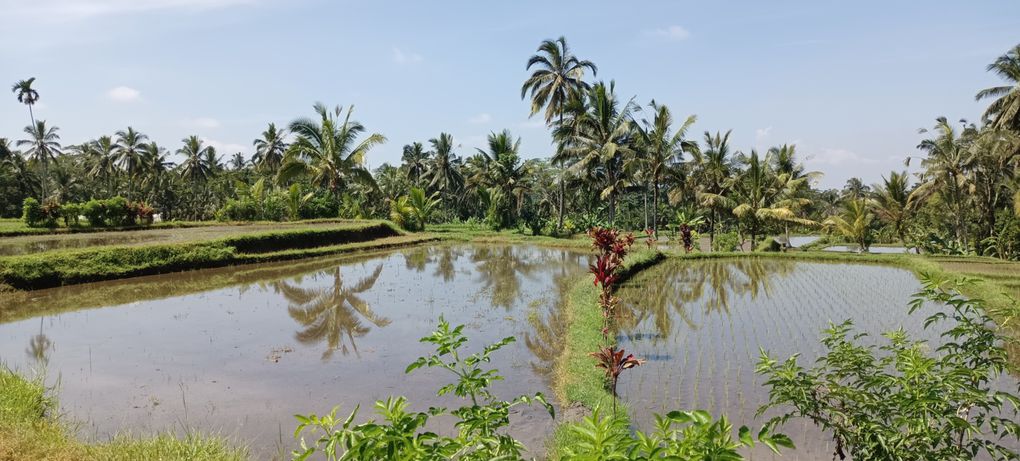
(85, 9)
(123, 94)
(672, 33)
(225, 147)
(400, 57)
(480, 119)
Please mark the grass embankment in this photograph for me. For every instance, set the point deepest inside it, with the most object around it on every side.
(578, 381)
(17, 227)
(482, 234)
(29, 430)
(66, 267)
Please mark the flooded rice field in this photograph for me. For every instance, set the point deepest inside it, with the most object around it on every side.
(29, 244)
(874, 249)
(240, 350)
(700, 325)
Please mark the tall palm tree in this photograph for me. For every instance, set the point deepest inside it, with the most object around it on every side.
(129, 148)
(329, 150)
(444, 173)
(1004, 112)
(662, 149)
(237, 161)
(26, 95)
(102, 161)
(43, 147)
(505, 169)
(155, 165)
(854, 223)
(195, 168)
(713, 167)
(604, 139)
(945, 170)
(892, 204)
(269, 150)
(762, 196)
(415, 161)
(559, 77)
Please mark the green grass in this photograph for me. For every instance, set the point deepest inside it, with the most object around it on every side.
(30, 430)
(66, 267)
(578, 380)
(482, 234)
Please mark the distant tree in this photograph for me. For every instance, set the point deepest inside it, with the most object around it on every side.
(1004, 112)
(269, 150)
(661, 149)
(26, 95)
(713, 167)
(129, 147)
(855, 189)
(892, 202)
(43, 146)
(416, 162)
(444, 171)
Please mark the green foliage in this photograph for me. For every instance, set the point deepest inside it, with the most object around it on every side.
(405, 435)
(679, 435)
(1005, 239)
(725, 241)
(769, 245)
(33, 216)
(900, 401)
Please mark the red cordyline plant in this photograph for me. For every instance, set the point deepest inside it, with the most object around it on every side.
(612, 248)
(649, 237)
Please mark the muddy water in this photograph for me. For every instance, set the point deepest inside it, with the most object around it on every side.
(240, 350)
(700, 325)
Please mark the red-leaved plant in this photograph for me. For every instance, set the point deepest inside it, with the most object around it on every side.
(650, 237)
(611, 248)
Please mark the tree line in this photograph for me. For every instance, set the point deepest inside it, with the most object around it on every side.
(615, 162)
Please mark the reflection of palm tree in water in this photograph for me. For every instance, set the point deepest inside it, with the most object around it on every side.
(711, 283)
(332, 313)
(499, 267)
(39, 347)
(445, 263)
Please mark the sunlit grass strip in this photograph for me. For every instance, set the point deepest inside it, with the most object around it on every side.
(578, 381)
(482, 234)
(67, 267)
(30, 431)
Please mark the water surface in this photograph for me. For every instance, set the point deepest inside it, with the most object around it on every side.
(240, 350)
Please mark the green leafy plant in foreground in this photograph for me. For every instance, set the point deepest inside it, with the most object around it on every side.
(897, 400)
(403, 434)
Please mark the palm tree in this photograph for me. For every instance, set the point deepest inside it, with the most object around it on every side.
(762, 196)
(269, 150)
(892, 202)
(712, 170)
(415, 161)
(237, 161)
(103, 162)
(43, 147)
(504, 169)
(944, 171)
(558, 79)
(444, 172)
(1004, 112)
(854, 224)
(26, 95)
(855, 189)
(129, 147)
(329, 150)
(662, 150)
(195, 169)
(604, 138)
(155, 166)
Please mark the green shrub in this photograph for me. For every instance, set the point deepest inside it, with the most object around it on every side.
(70, 212)
(95, 212)
(32, 213)
(769, 244)
(238, 210)
(119, 212)
(725, 241)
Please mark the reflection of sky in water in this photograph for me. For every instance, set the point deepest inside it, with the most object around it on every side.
(700, 325)
(290, 338)
(874, 249)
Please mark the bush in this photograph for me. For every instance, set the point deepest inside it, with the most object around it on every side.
(32, 213)
(238, 210)
(769, 244)
(725, 241)
(119, 212)
(70, 212)
(95, 212)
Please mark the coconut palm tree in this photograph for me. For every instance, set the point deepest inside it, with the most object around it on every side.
(155, 166)
(269, 150)
(712, 169)
(605, 138)
(854, 224)
(558, 78)
(1004, 112)
(129, 147)
(103, 162)
(662, 149)
(329, 151)
(945, 172)
(444, 173)
(504, 169)
(195, 169)
(891, 202)
(43, 145)
(26, 95)
(415, 162)
(237, 161)
(762, 196)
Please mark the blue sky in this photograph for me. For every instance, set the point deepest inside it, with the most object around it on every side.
(848, 82)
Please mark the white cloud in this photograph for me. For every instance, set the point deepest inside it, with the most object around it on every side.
(480, 119)
(84, 9)
(124, 94)
(202, 122)
(401, 57)
(672, 33)
(837, 157)
(225, 148)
